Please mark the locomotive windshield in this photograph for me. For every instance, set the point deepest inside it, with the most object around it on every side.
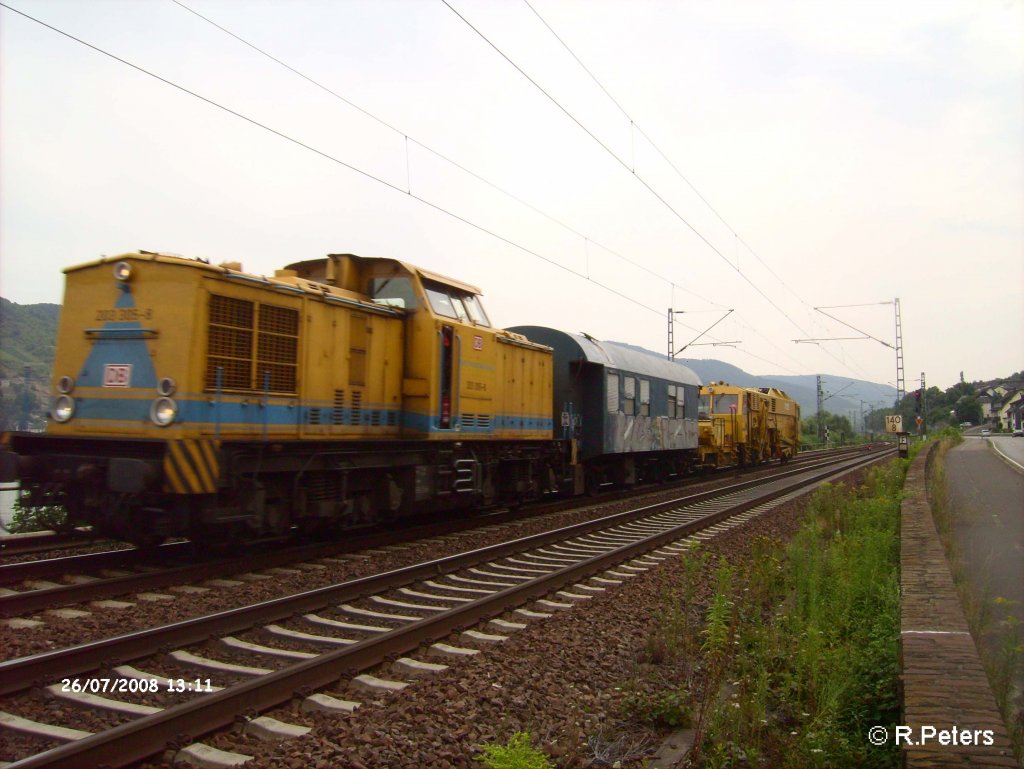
(726, 404)
(449, 302)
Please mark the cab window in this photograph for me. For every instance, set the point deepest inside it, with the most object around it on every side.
(440, 302)
(450, 302)
(475, 310)
(393, 292)
(726, 404)
(704, 407)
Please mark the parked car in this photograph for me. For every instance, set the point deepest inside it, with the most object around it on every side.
(1019, 432)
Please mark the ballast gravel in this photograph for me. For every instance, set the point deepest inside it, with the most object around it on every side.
(566, 679)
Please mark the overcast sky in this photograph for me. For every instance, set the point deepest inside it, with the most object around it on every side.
(764, 157)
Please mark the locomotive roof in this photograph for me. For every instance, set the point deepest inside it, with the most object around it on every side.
(624, 357)
(157, 256)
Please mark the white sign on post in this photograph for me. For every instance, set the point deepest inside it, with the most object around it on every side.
(894, 423)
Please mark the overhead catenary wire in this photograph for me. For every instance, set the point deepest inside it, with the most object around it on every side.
(338, 161)
(624, 164)
(436, 153)
(406, 191)
(635, 128)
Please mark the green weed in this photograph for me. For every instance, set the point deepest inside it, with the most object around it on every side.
(517, 753)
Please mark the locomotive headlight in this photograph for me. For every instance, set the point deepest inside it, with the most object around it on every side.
(123, 271)
(65, 384)
(63, 408)
(163, 411)
(167, 386)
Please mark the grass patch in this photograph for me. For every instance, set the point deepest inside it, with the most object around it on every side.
(816, 652)
(517, 753)
(47, 518)
(793, 653)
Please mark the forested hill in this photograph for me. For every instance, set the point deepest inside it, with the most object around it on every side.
(28, 334)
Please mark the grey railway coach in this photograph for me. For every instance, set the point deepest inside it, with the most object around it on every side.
(632, 412)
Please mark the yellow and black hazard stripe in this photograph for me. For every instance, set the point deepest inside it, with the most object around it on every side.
(192, 466)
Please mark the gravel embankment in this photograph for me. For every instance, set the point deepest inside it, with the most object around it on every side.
(564, 679)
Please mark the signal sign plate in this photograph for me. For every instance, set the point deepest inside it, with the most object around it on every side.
(894, 423)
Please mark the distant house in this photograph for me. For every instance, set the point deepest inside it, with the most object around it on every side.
(987, 406)
(1009, 416)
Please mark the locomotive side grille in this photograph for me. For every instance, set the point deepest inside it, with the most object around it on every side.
(235, 324)
(314, 416)
(228, 311)
(278, 348)
(357, 408)
(338, 412)
(230, 342)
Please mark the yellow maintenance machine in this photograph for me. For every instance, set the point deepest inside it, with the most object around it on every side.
(746, 425)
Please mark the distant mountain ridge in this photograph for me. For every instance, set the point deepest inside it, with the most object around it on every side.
(843, 395)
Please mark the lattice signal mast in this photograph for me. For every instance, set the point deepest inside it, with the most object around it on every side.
(901, 387)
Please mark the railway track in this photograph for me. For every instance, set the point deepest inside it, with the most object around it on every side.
(278, 646)
(29, 543)
(32, 586)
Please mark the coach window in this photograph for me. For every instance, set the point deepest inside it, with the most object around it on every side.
(675, 401)
(613, 393)
(629, 396)
(680, 401)
(645, 398)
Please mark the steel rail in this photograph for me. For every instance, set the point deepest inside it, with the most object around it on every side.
(138, 739)
(21, 673)
(30, 601)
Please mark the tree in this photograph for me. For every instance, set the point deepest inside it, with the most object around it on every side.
(968, 409)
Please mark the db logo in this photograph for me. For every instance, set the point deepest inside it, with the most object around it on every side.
(478, 343)
(117, 375)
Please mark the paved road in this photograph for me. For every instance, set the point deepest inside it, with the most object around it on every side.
(985, 478)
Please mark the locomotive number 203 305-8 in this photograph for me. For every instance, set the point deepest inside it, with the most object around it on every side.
(124, 313)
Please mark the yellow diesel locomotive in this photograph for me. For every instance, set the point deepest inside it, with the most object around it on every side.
(742, 426)
(192, 398)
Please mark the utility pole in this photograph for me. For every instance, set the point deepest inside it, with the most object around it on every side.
(924, 407)
(821, 401)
